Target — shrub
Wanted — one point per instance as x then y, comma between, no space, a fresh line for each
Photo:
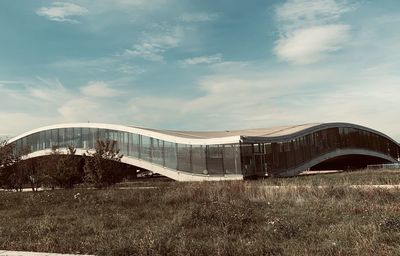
103,168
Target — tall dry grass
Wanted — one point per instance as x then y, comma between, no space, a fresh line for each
310,216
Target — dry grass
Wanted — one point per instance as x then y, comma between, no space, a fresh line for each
221,218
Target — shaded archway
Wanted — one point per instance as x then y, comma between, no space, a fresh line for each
348,162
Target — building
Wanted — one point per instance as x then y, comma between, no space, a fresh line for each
225,155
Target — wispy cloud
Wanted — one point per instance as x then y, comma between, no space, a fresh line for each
198,17
51,102
47,90
301,13
309,30
311,44
210,59
129,69
98,89
112,64
279,97
155,43
3,83
62,12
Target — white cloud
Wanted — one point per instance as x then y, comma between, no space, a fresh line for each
311,44
309,30
210,59
98,89
130,69
108,65
62,11
50,90
154,44
19,122
147,51
5,82
79,109
301,13
250,99
198,17
48,101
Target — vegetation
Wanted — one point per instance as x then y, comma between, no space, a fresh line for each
62,169
101,167
65,170
314,215
12,171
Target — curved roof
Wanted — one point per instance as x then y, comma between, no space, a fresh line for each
257,132
280,133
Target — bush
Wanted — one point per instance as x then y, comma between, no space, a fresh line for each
103,167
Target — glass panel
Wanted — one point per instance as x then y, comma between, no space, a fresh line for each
101,135
61,137
199,159
134,145
157,154
77,137
247,159
170,155
145,152
215,159
231,160
123,141
184,157
85,138
42,140
92,138
47,139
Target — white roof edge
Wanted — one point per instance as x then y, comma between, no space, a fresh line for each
123,128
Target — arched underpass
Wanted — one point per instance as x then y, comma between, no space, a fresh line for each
348,162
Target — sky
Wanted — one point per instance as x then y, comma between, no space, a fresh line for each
199,65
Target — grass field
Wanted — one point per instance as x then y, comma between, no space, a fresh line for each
308,215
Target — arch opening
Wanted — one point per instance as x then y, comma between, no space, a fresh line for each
348,162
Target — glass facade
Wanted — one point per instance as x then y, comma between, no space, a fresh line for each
277,157
196,159
249,159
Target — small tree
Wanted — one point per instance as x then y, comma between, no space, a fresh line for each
48,167
69,169
12,173
102,167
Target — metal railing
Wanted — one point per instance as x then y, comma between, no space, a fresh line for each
384,166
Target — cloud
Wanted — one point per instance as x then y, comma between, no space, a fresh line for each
198,17
301,13
98,89
104,65
51,90
309,30
210,59
6,82
93,65
78,109
155,43
62,11
51,102
242,97
311,44
130,69
19,122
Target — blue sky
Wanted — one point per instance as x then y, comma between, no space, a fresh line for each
202,65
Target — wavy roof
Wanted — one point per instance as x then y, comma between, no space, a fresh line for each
257,132
280,133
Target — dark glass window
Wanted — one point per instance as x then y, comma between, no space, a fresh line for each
215,164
